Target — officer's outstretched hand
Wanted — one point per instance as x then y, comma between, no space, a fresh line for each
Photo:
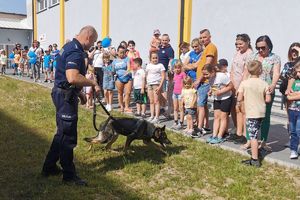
82,98
97,90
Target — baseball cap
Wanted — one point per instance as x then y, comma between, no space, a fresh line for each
156,32
222,62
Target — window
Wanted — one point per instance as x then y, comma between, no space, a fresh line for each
41,5
53,2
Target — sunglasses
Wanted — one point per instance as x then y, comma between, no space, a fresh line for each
195,46
261,48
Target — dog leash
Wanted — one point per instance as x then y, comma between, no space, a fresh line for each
108,113
96,99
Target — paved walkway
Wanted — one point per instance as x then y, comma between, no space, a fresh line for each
278,136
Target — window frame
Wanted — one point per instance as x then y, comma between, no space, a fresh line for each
51,4
39,9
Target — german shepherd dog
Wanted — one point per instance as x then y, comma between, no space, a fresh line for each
133,129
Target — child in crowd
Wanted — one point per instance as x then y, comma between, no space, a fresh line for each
294,112
22,63
222,66
17,58
108,80
185,52
189,99
47,60
3,61
179,76
155,42
89,90
254,92
155,75
221,89
54,54
139,85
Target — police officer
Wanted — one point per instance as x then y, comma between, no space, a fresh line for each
69,80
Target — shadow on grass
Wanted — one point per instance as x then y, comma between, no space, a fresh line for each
23,150
141,153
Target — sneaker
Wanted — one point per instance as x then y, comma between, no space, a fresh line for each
143,115
108,107
232,137
155,121
205,130
179,126
196,134
209,139
75,180
240,140
45,81
251,162
150,119
294,155
216,140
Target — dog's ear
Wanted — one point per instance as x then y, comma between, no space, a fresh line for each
163,128
157,132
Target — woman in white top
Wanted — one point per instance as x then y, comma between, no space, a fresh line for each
155,76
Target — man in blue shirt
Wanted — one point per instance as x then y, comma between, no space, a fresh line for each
165,57
69,80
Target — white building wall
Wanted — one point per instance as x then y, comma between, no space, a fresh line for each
225,19
136,20
48,26
79,13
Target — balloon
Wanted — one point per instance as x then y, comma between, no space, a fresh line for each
11,56
106,42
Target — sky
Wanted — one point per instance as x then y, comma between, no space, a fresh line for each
13,6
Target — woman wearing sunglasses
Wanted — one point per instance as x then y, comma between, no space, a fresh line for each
270,73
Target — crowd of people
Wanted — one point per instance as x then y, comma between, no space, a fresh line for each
179,88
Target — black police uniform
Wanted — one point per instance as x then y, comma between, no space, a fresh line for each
65,99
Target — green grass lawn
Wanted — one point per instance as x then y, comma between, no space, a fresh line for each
191,170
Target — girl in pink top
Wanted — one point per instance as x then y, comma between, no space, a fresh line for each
237,74
132,53
179,75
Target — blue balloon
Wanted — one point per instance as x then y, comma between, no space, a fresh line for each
31,54
106,42
11,56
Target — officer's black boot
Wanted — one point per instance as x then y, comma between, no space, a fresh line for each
51,171
75,180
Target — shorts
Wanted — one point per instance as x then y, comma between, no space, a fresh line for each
223,105
108,82
138,97
190,111
202,91
252,127
176,96
152,87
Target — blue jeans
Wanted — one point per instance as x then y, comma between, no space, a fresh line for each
203,89
294,121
